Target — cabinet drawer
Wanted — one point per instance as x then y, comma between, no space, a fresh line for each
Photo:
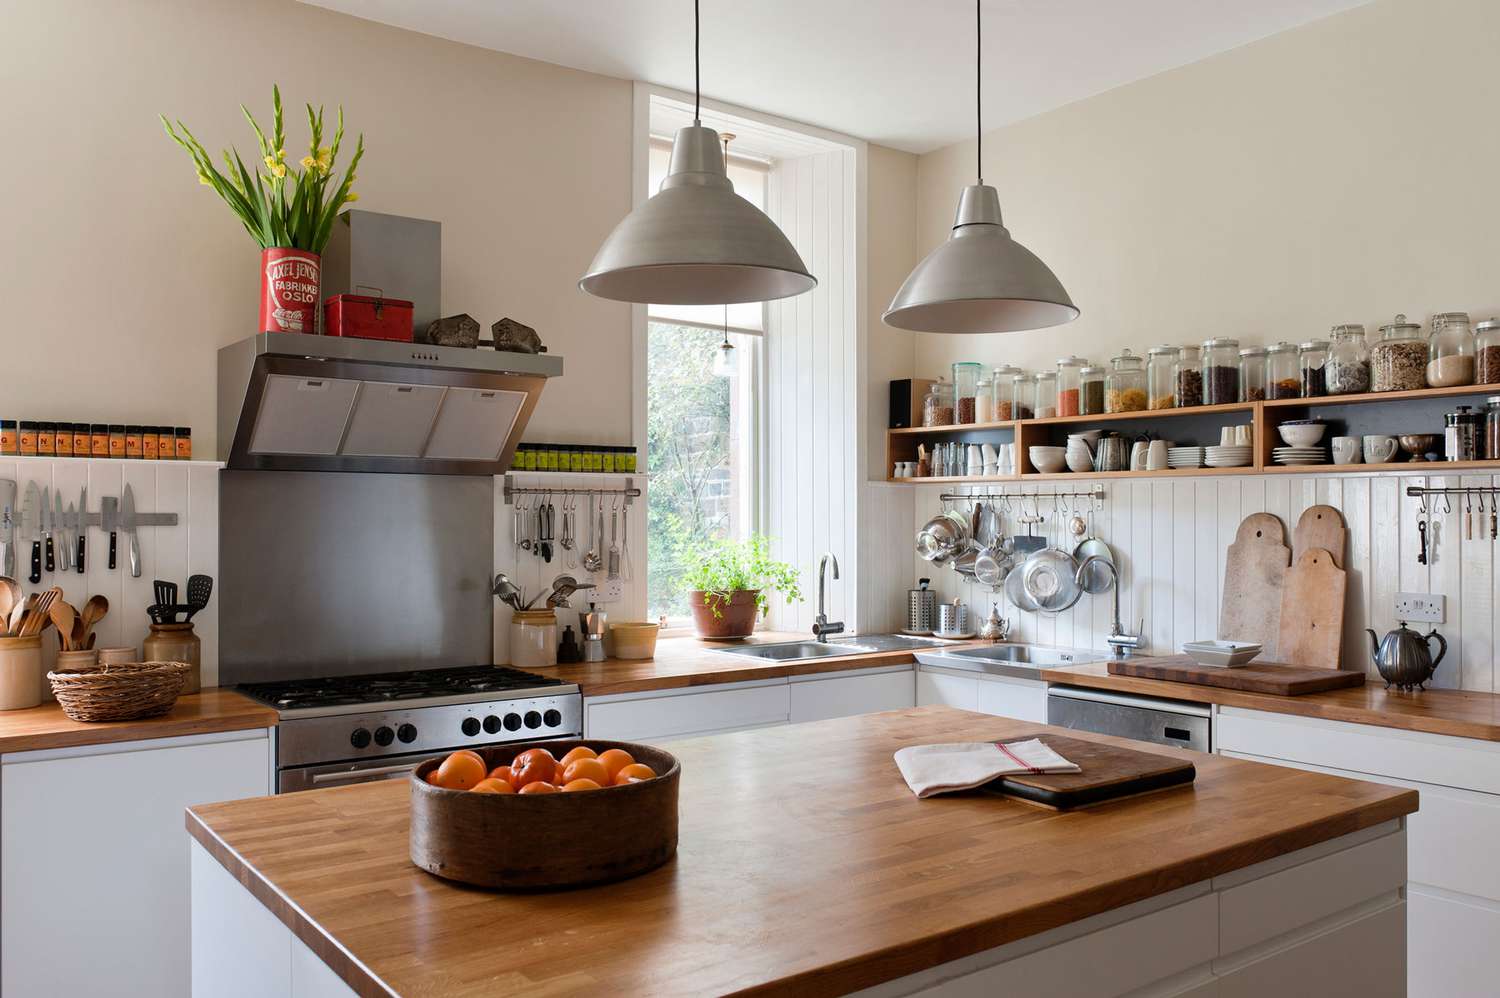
845,696
1023,699
949,691
1373,964
1452,946
688,713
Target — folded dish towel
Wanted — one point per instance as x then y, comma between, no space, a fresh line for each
940,769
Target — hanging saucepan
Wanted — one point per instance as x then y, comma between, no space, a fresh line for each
1096,580
943,537
1048,578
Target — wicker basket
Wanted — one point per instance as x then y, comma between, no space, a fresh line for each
122,692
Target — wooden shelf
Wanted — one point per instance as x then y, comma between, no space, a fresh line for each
1009,424
1109,417
1390,467
1037,476
956,480
1367,397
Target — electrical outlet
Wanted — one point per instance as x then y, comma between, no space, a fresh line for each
605,591
1426,607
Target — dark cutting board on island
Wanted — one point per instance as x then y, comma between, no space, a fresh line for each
1257,677
1108,773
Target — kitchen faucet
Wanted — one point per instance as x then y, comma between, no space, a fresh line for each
1121,642
821,627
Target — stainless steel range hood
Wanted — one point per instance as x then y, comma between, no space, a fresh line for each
297,402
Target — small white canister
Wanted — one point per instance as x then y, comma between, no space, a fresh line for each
533,638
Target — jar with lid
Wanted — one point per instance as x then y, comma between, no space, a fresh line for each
1005,397
1492,428
1463,434
1312,361
1091,391
1252,374
1450,351
1161,377
937,404
1221,371
1046,394
1283,379
1125,385
965,382
1023,391
1069,381
1348,360
1189,377
984,400
1487,353
1398,360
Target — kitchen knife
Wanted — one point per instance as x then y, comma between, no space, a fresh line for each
7,528
82,524
127,520
68,560
31,529
61,528
47,528
109,514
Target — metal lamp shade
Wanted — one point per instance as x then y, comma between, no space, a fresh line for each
980,280
697,242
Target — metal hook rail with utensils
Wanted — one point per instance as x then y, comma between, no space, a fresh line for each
629,493
1427,540
1095,493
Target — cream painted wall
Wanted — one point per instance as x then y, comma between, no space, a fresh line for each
121,276
1339,172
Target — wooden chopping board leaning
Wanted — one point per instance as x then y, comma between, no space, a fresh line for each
1254,570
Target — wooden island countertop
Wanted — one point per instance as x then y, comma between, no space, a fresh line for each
805,867
208,712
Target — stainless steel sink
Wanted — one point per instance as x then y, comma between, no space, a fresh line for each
1006,659
795,651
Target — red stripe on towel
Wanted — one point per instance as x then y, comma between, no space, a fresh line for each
1018,760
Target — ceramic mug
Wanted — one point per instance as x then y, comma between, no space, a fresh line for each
1379,449
1227,435
1345,450
1242,435
1138,456
1156,456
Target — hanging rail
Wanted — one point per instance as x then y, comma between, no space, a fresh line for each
1095,492
629,492
1422,490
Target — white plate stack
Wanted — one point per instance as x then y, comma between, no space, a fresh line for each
1184,457
1226,457
1299,455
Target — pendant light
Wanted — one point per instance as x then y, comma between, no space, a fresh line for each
696,242
724,360
980,280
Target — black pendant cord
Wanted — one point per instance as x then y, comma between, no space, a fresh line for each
697,69
978,95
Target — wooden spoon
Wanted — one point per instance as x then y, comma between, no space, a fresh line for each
39,617
18,616
93,612
63,617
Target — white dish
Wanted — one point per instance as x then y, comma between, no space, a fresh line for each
1302,434
1048,460
1221,654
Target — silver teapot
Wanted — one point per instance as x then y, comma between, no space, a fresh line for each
1404,657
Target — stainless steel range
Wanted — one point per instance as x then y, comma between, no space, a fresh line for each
357,729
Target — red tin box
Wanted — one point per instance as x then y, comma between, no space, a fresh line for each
367,318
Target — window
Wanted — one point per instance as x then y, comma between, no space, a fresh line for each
701,439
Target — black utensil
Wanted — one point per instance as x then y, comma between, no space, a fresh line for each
199,588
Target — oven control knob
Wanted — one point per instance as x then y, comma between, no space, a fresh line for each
491,724
552,719
384,736
512,722
407,732
470,726
360,738
533,719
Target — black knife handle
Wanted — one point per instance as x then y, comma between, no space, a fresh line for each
51,555
80,552
36,562
111,550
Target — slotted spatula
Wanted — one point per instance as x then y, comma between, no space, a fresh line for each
199,588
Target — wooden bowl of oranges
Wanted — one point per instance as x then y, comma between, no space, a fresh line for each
510,816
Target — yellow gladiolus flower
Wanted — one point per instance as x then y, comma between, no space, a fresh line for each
325,159
351,196
309,164
203,179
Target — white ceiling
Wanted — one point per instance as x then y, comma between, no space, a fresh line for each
896,72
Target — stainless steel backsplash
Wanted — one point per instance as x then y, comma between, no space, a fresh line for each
337,574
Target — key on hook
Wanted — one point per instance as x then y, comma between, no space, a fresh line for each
1421,539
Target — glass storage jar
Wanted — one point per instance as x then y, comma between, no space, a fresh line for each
1312,361
984,401
1450,351
1125,385
1283,379
1161,377
1221,371
1005,397
1398,360
1023,392
1348,360
1069,381
1091,392
937,404
1046,395
1487,353
1189,377
1252,374
965,382
1492,428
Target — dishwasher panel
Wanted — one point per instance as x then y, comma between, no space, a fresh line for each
1142,718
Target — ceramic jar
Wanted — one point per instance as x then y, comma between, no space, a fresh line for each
533,638
176,643
20,673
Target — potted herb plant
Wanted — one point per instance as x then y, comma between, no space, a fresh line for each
288,209
729,583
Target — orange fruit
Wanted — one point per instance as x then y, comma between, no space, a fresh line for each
634,773
615,760
432,778
587,769
460,771
538,787
533,766
573,786
503,773
581,752
477,757
493,786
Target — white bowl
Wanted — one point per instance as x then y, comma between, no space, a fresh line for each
1048,460
1091,437
1221,654
1079,461
1302,434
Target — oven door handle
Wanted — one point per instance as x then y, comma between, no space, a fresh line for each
344,776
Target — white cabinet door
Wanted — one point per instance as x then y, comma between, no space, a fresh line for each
1023,699
1452,946
950,691
685,715
94,860
1364,958
847,695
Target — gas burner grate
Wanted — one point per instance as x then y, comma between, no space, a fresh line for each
383,687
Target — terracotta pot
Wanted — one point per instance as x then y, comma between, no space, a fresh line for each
290,282
735,618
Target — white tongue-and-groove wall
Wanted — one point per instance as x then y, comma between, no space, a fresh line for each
1170,537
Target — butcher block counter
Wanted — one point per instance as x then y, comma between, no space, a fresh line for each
806,867
208,712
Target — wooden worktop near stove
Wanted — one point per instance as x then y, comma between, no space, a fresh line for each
208,712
